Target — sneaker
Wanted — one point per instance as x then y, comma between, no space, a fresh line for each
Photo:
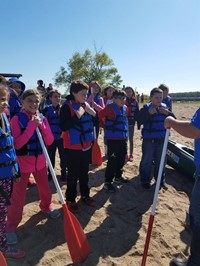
146,185
121,180
54,213
179,261
131,158
88,201
73,207
31,182
109,187
14,253
11,238
164,185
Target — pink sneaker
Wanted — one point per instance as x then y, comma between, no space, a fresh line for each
130,158
14,253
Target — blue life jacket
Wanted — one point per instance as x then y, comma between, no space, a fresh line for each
8,164
168,102
32,147
83,131
154,128
53,119
117,128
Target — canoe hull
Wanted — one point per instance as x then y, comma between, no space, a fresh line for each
181,158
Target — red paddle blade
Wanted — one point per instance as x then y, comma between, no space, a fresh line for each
2,260
96,154
76,239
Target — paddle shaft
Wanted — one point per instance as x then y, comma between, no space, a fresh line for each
50,166
151,218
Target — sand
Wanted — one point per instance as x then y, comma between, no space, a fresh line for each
116,228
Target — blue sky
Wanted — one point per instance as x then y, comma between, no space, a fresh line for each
150,41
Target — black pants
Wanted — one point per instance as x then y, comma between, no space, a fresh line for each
52,153
78,167
117,150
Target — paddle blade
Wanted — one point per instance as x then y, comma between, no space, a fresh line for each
76,239
2,260
96,154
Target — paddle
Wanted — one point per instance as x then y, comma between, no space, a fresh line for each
2,260
96,151
76,239
151,218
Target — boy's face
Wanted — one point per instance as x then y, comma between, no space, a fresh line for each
119,101
55,99
16,87
81,96
156,99
3,100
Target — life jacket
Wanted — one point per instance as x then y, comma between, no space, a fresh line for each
53,119
32,147
8,164
117,128
154,128
132,107
82,131
168,102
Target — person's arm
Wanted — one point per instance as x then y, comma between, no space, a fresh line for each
98,107
185,128
20,139
66,120
143,116
46,132
107,112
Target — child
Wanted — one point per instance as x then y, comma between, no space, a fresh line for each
31,160
52,113
9,170
116,134
108,91
152,117
17,87
96,101
166,98
76,122
133,109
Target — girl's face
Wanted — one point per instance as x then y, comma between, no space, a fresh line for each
81,96
3,100
55,99
129,93
110,92
95,89
31,104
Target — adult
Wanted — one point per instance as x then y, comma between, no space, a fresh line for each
191,129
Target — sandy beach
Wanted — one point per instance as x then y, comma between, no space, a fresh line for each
116,228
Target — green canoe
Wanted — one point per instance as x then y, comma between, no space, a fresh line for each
181,158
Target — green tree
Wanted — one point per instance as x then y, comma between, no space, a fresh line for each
89,67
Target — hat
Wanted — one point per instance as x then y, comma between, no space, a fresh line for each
18,81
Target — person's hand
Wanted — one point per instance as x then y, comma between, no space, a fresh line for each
90,110
152,110
168,121
36,119
163,111
79,112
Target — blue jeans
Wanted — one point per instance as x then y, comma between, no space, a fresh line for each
194,214
151,152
